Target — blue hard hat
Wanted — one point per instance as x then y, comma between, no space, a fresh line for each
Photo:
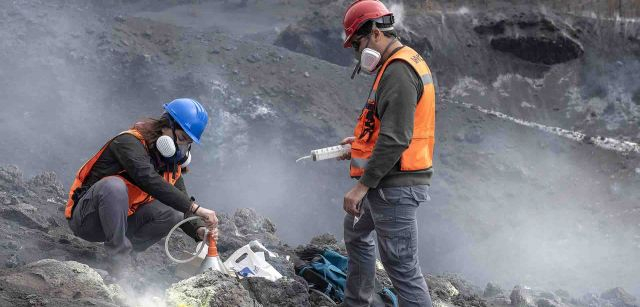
190,115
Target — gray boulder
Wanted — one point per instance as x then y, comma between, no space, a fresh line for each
531,37
522,297
62,280
441,288
283,292
492,290
25,215
618,297
245,225
209,289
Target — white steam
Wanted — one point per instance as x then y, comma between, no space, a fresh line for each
397,8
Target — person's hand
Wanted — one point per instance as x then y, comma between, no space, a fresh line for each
353,198
345,141
208,216
201,233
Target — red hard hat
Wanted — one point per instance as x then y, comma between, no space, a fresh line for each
360,12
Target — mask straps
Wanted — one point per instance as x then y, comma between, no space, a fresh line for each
175,144
356,70
385,51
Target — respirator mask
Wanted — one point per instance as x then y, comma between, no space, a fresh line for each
369,59
170,151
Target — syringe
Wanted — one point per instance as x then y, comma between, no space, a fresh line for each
328,153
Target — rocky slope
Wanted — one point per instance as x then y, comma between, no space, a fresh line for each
45,265
552,66
555,213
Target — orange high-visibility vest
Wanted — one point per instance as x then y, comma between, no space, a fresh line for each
137,196
419,155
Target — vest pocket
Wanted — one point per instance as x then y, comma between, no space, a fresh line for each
418,155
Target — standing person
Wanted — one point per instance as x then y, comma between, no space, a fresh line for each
112,197
391,156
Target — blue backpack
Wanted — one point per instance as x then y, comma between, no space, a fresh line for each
326,273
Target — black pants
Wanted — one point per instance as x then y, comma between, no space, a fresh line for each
101,216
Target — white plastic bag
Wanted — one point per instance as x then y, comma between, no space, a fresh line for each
248,263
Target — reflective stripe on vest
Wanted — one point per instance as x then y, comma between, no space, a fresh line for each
137,196
419,155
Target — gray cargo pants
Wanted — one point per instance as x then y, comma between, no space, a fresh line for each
391,212
101,216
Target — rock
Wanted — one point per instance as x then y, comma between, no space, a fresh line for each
564,294
317,298
441,287
492,27
382,276
282,265
47,183
12,245
103,273
283,292
11,179
13,261
244,227
119,18
593,300
531,37
25,215
464,300
325,241
248,222
209,289
521,297
317,35
253,58
492,290
618,297
436,302
549,299
68,279
544,302
35,300
540,49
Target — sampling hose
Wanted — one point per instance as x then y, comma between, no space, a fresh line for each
166,241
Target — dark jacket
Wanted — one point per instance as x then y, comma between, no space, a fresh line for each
127,153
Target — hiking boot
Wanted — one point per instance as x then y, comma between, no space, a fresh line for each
121,267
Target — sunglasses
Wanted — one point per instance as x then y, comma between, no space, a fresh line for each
356,42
